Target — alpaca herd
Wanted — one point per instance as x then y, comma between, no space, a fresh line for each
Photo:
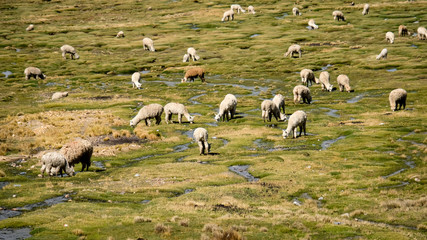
81,150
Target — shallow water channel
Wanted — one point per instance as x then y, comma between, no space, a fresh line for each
242,170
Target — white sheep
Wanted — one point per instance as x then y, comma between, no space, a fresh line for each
237,7
226,108
403,30
312,24
338,15
186,58
294,48
69,49
136,77
228,14
344,83
397,99
389,37
297,119
269,108
148,112
78,151
279,100
296,11
59,95
308,78
179,109
365,9
302,92
324,80
148,44
251,9
383,54
422,33
193,54
54,163
120,34
194,73
30,27
200,135
33,72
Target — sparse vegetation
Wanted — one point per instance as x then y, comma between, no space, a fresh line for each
359,173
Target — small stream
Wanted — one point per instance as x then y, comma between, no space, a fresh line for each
15,233
8,213
356,99
242,170
7,74
326,144
331,112
193,99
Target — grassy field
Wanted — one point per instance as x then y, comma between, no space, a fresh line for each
359,173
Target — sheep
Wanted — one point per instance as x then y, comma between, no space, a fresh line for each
146,113
312,24
296,11
54,163
389,37
365,9
148,44
297,119
279,100
200,135
136,77
237,7
383,54
303,92
59,95
33,72
403,30
69,49
324,80
30,27
186,58
294,48
177,108
192,54
77,151
338,15
269,108
307,77
228,14
194,73
344,82
251,9
397,98
120,34
422,33
227,106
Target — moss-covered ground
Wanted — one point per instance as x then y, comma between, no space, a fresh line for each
368,184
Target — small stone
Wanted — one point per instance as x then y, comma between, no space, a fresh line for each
137,175
416,179
65,225
109,201
320,199
14,195
345,215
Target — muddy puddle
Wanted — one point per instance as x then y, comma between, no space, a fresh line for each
3,184
326,144
242,170
8,213
392,70
193,99
7,74
356,99
331,112
305,196
193,26
99,165
282,16
414,46
188,133
15,233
